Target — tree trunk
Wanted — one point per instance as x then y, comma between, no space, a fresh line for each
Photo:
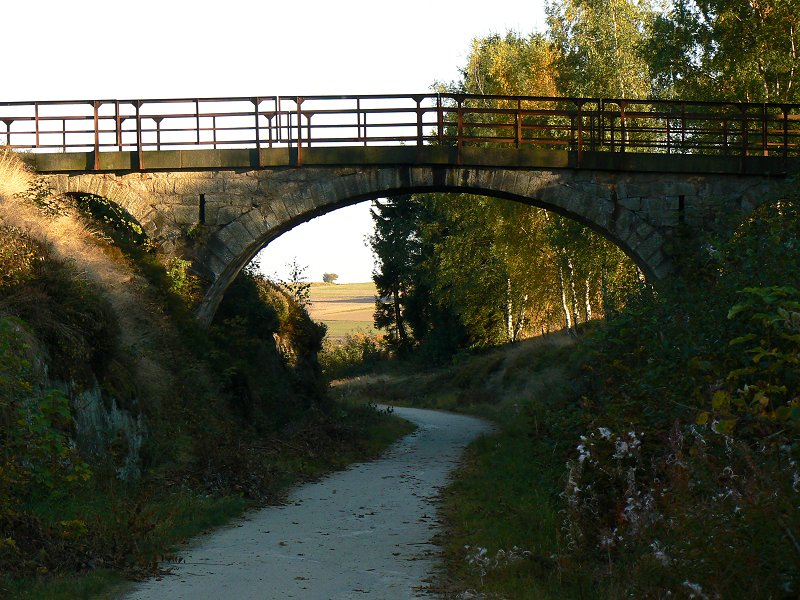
588,300
575,313
402,338
567,316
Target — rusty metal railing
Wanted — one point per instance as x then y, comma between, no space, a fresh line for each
459,120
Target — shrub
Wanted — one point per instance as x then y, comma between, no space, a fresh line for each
697,381
357,353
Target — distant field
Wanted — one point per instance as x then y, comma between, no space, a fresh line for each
344,308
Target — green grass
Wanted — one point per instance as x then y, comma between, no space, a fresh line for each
340,329
97,585
335,290
501,501
506,493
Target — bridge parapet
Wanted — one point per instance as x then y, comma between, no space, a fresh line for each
132,129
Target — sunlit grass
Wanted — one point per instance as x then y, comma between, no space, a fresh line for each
15,177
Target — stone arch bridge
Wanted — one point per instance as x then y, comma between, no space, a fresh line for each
635,185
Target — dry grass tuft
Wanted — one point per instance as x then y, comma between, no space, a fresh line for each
15,177
71,239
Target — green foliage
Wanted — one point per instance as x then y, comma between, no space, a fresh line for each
298,289
727,50
599,47
704,374
357,353
769,386
265,345
36,457
467,271
396,246
510,65
41,196
116,221
182,281
18,257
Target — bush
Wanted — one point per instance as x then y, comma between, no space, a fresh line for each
357,353
687,469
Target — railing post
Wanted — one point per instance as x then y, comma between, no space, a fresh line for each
197,119
785,131
139,144
118,123
8,123
96,135
459,130
764,130
745,136
36,118
518,124
683,126
158,131
359,137
214,131
725,137
256,103
299,102
580,132
278,120
622,131
440,118
611,132
669,137
419,120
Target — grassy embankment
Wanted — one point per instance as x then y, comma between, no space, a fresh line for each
186,428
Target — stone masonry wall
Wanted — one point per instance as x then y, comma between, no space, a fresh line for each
221,218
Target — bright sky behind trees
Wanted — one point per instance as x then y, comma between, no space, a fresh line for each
92,49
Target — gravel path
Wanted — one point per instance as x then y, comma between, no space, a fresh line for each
361,533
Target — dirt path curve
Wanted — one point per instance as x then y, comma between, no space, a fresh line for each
361,533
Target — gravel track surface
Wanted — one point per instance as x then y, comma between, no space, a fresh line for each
360,533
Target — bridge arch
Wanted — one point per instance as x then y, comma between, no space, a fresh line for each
133,193
591,198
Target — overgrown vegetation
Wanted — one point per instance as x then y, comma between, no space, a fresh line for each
678,417
679,426
125,427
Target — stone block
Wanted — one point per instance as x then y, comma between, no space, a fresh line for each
185,215
254,223
235,237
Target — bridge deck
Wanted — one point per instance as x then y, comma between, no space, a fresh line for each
508,158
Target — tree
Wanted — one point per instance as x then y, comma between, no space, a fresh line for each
396,249
296,286
727,50
599,46
329,277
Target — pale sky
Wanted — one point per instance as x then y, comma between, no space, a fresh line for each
90,49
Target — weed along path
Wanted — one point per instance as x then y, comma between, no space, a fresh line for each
361,533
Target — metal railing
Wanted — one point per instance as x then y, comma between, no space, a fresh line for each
458,120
